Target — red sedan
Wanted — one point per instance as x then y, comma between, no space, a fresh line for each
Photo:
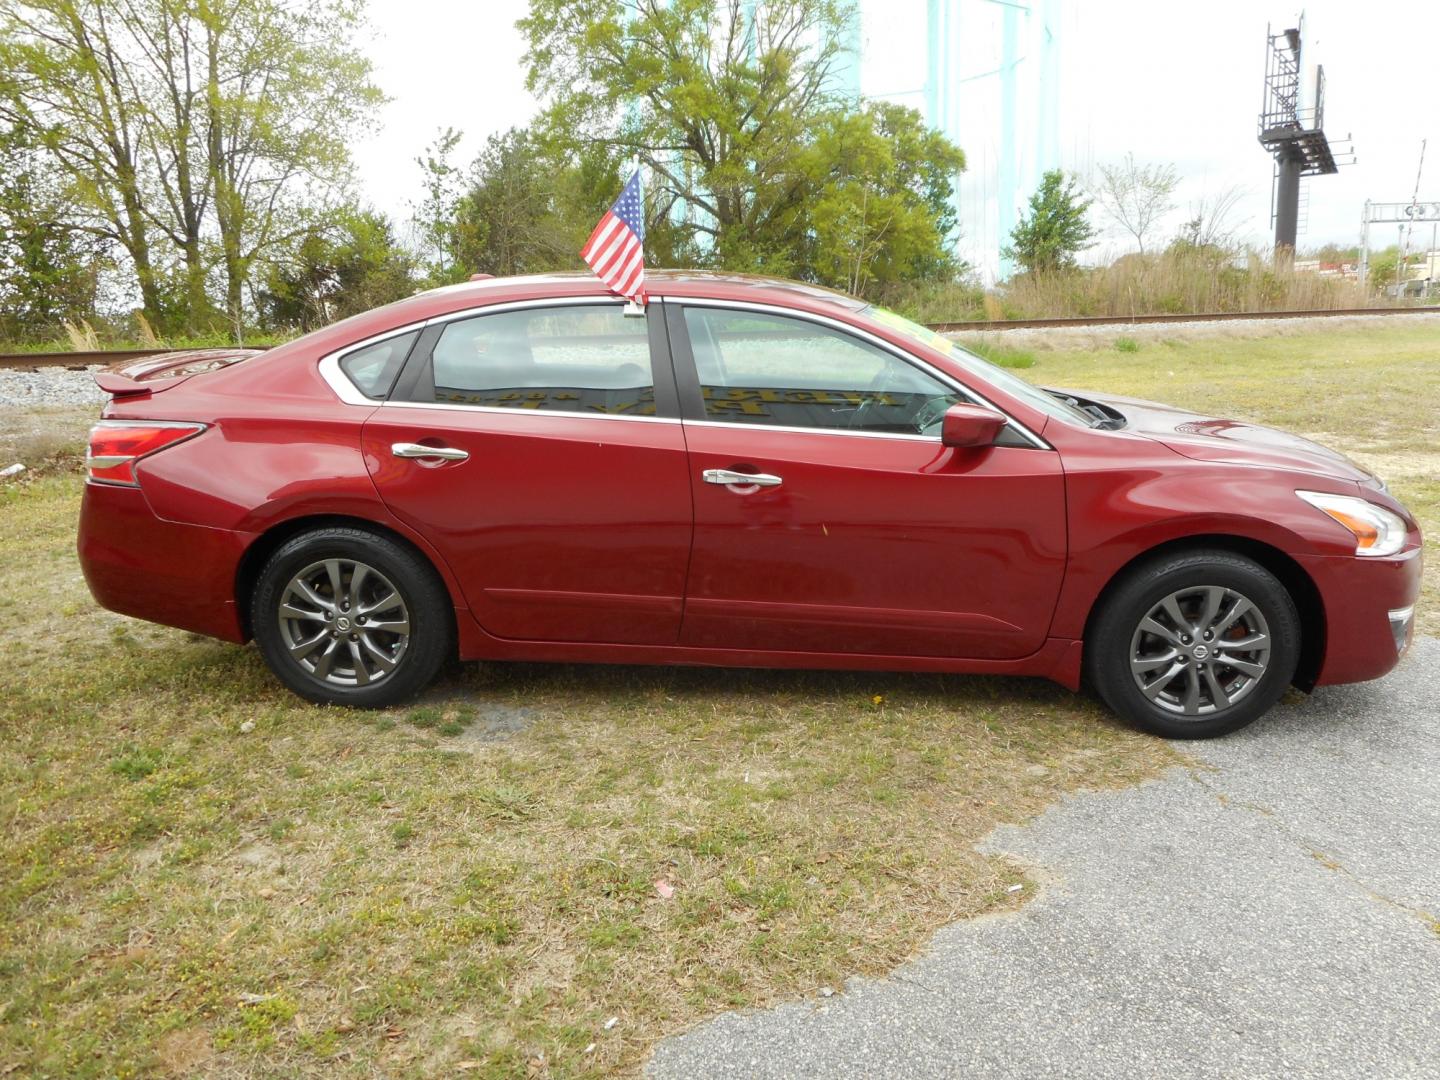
749,472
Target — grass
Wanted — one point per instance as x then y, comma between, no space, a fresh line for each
203,874
1004,356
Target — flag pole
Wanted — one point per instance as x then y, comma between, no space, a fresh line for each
633,308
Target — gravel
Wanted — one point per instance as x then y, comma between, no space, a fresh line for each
49,388
1270,912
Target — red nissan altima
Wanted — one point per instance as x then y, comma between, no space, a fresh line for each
749,472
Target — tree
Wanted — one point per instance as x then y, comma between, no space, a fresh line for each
1135,196
509,220
285,91
714,96
48,271
67,86
220,126
1056,228
434,217
521,206
753,161
350,266
878,199
1384,267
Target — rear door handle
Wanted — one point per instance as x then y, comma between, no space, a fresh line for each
731,478
419,450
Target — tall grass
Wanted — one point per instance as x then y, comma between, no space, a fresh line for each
1178,281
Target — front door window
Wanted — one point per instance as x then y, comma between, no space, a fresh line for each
766,369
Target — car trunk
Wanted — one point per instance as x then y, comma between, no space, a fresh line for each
153,374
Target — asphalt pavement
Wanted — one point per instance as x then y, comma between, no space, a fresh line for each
1270,912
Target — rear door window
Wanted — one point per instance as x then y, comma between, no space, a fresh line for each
589,359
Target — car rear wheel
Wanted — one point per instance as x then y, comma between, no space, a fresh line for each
348,617
1194,644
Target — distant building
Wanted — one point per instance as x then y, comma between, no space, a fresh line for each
1346,270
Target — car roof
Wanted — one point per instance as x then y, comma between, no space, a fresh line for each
707,283
447,299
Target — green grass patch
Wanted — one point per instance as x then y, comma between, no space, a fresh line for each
1003,356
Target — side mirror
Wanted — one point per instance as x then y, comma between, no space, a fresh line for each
970,425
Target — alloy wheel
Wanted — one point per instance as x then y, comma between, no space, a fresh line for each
344,622
1200,650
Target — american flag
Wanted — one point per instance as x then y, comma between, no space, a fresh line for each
615,250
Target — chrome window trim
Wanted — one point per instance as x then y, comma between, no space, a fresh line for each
864,335
351,394
815,431
453,407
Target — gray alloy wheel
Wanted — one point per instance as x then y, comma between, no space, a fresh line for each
1200,651
344,623
1192,643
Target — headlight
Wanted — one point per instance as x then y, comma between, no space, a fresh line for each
1377,531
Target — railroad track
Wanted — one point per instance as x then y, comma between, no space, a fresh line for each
79,361
1140,320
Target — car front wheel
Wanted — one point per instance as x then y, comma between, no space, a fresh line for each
348,617
1194,644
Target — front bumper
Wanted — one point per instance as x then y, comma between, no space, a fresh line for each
1361,598
141,565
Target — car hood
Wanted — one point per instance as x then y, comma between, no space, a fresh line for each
1211,438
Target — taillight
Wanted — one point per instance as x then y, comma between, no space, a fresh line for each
116,445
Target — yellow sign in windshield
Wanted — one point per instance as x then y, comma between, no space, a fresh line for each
922,334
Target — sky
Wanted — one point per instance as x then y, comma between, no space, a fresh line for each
1168,81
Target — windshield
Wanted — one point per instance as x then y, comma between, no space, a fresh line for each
1012,384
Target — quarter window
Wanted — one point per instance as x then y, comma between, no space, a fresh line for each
373,368
582,359
769,369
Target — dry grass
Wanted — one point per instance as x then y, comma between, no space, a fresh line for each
471,880
1170,282
82,336
1176,281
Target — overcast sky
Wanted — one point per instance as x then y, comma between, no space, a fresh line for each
1172,82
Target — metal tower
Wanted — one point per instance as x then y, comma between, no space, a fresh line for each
1292,130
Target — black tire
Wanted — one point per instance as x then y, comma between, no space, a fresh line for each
1116,639
424,610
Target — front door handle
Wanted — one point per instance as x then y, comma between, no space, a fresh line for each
733,479
420,450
